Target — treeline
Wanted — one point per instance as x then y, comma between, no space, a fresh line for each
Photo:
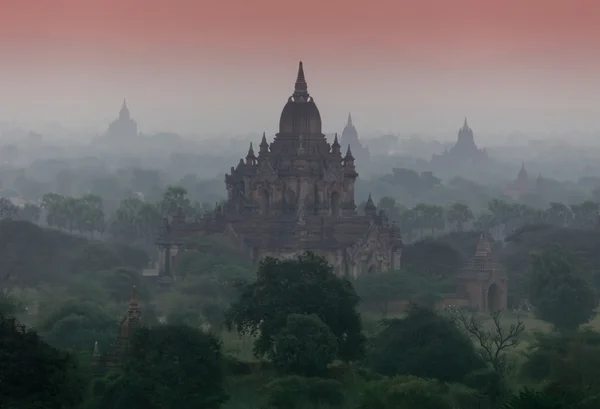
501,218
134,220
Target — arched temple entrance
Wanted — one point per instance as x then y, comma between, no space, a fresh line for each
494,302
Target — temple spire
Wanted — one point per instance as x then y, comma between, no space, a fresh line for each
124,113
250,157
349,119
335,147
370,208
349,153
465,125
335,141
264,146
301,88
370,201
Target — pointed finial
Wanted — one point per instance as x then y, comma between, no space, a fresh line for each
250,151
301,88
349,153
349,119
370,207
335,141
465,124
124,113
264,146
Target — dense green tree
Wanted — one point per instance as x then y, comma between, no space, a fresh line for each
167,367
416,258
423,344
304,346
568,363
76,325
559,291
306,285
30,255
33,374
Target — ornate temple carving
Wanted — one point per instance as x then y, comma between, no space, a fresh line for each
296,195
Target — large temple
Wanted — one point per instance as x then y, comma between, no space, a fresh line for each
522,185
464,152
122,127
350,138
295,195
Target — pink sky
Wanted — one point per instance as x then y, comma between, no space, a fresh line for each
398,63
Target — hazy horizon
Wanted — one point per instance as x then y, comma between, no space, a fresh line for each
403,66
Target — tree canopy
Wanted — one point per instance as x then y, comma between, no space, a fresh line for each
423,344
559,291
305,346
167,367
305,285
32,373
